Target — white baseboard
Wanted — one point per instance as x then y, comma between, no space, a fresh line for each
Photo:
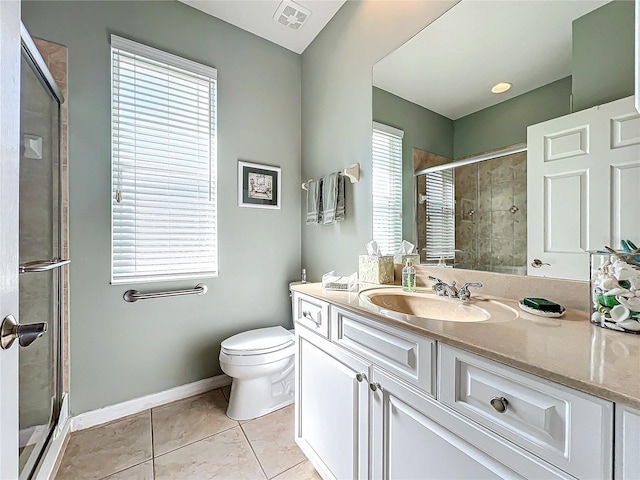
137,405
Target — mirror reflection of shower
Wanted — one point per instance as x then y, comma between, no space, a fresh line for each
473,214
40,247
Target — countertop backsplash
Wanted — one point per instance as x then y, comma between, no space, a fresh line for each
569,293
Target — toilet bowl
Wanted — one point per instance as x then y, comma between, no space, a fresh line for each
260,362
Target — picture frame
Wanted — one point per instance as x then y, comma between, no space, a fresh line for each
259,186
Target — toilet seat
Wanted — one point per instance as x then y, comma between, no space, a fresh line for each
272,343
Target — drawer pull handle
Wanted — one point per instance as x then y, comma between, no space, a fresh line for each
307,314
361,376
499,404
375,386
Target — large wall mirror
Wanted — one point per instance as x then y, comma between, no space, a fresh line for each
554,58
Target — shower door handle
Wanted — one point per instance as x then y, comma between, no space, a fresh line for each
42,265
26,334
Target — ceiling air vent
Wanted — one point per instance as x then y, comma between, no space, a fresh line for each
292,15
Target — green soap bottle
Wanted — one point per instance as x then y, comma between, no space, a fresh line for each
409,277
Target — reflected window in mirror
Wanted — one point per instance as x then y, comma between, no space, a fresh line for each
387,187
440,216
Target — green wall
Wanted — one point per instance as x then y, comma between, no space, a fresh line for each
603,55
506,123
119,350
423,129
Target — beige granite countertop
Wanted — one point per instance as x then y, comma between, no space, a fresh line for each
568,350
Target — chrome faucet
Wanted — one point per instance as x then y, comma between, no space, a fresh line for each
443,289
464,294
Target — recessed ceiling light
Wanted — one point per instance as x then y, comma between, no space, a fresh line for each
501,87
291,14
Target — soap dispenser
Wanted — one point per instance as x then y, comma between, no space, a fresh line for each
409,277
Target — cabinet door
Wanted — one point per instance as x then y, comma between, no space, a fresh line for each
627,443
415,437
331,408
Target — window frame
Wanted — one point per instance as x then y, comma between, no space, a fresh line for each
398,134
195,69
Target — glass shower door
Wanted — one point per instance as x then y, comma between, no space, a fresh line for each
39,239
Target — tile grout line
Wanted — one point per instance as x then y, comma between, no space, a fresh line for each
195,441
254,452
124,469
290,468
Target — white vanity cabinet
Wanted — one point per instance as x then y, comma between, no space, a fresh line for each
565,427
367,406
415,437
331,407
627,464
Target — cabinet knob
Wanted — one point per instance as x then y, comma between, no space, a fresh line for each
499,404
361,376
375,386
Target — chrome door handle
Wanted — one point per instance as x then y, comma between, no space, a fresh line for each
361,376
537,263
10,331
375,386
307,314
42,265
499,404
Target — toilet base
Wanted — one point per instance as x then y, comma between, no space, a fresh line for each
255,397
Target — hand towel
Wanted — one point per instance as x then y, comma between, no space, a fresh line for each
340,204
329,197
313,202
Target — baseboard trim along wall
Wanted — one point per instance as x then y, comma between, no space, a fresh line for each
137,405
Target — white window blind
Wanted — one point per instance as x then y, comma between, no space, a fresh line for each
387,187
163,158
440,240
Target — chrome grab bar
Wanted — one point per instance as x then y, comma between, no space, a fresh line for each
42,265
135,295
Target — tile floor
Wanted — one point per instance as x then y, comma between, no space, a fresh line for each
189,439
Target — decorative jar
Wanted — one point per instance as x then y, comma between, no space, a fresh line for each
615,291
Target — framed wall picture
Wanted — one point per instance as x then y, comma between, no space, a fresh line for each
258,185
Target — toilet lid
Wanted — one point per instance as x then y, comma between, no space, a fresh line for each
260,340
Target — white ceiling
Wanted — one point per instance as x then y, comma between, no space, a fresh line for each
256,16
452,64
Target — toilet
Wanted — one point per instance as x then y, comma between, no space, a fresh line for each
260,362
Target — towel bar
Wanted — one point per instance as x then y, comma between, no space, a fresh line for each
352,173
135,295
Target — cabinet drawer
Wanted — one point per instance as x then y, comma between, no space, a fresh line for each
405,354
567,428
312,313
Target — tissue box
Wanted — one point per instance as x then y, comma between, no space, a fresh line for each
374,269
401,258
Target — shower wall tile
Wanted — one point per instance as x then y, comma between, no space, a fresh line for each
35,394
502,196
502,170
484,197
520,165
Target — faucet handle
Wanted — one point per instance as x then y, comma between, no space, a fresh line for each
439,287
464,293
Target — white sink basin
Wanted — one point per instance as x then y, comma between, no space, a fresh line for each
429,306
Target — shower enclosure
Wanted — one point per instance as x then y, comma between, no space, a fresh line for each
40,241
